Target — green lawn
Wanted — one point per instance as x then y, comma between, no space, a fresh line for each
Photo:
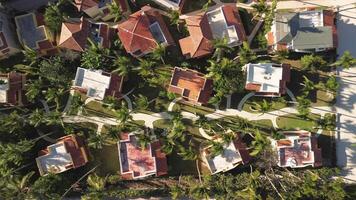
108,158
278,103
200,110
96,109
294,122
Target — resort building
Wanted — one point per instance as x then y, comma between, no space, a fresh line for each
143,31
234,154
97,84
307,31
12,88
267,79
191,85
68,153
298,149
8,43
222,22
172,4
33,33
138,163
76,33
100,9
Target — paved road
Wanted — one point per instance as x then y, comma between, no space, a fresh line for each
346,152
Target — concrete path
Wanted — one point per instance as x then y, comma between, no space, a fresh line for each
244,99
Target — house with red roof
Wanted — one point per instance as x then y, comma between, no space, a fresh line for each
97,83
67,153
76,33
12,88
143,31
306,31
171,4
222,22
267,79
100,9
235,153
298,149
33,33
138,163
8,41
193,86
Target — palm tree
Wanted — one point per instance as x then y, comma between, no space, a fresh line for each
31,55
264,106
53,94
328,122
176,192
245,54
97,141
303,106
143,139
54,17
259,143
113,133
346,60
36,118
54,118
332,85
201,121
308,86
260,7
221,47
216,148
188,153
141,102
207,5
15,152
12,123
159,52
17,187
228,137
168,146
146,67
34,89
123,115
116,11
174,18
96,183
122,66
76,104
176,130
111,103
250,192
199,192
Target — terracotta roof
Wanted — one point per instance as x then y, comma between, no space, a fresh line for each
243,150
198,43
232,18
16,92
192,85
75,146
75,34
135,34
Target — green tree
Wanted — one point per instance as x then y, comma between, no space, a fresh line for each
159,53
308,86
312,63
96,57
76,104
168,146
188,153
246,55
332,85
263,106
216,148
174,18
328,122
221,47
141,102
50,186
54,17
346,60
259,143
176,192
116,11
144,140
303,106
36,118
54,95
123,115
146,68
97,140
34,89
260,8
17,187
207,5
55,71
122,65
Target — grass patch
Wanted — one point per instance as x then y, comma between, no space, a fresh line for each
108,158
96,108
294,122
200,110
194,5
277,103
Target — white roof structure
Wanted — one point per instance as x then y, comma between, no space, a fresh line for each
171,4
228,160
268,75
94,81
4,87
219,27
56,161
313,18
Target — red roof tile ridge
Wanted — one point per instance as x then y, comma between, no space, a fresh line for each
72,38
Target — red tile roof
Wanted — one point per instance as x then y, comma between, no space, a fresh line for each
135,34
75,147
192,85
74,35
16,92
198,44
232,18
243,150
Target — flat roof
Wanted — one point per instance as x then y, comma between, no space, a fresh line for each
268,75
30,33
226,161
56,161
219,26
94,81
